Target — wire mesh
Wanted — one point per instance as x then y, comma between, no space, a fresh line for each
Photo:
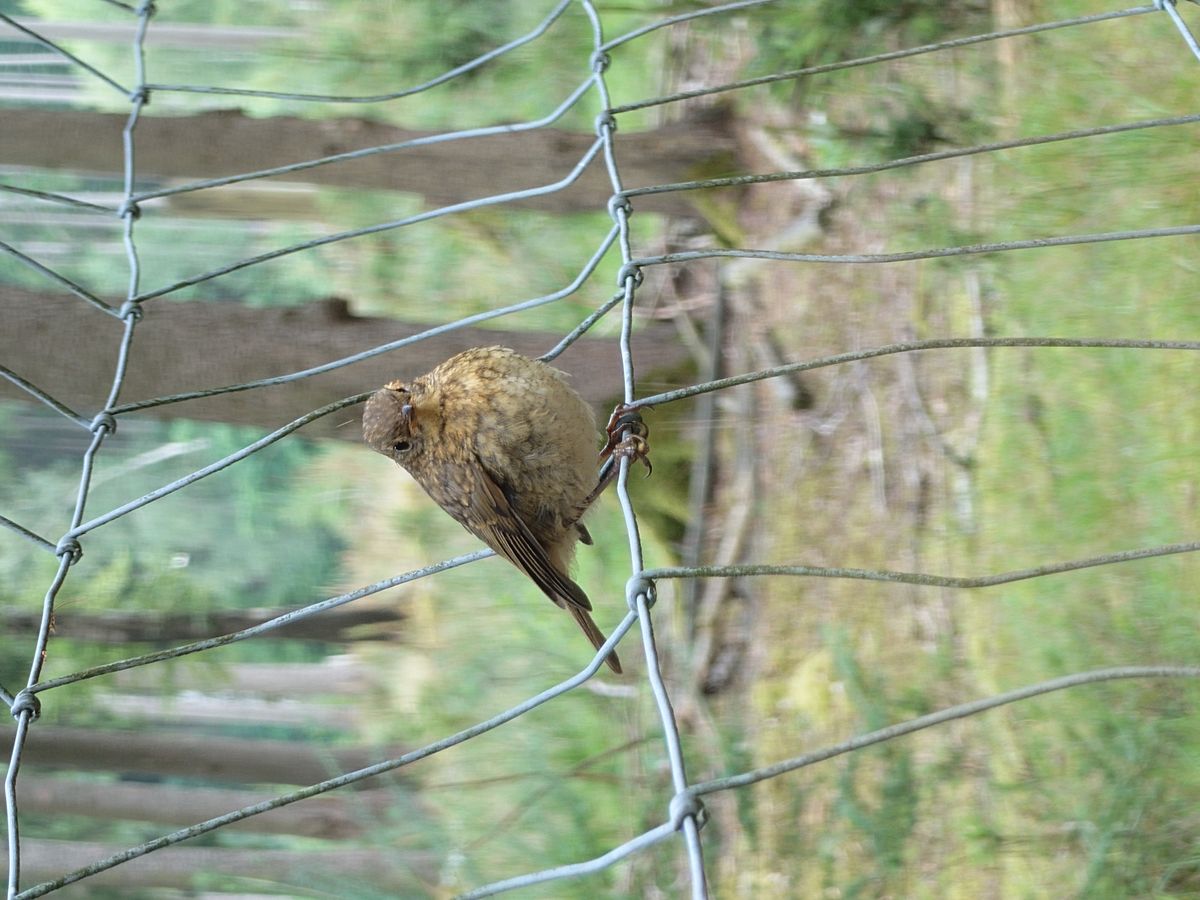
684,814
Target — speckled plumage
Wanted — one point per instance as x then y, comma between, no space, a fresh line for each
506,447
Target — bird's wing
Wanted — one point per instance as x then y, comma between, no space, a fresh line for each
502,529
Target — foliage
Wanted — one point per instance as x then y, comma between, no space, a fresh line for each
332,53
1091,792
802,35
259,534
894,116
1108,434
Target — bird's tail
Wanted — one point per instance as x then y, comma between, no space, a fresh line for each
594,634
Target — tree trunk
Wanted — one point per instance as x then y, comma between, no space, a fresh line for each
213,38
333,675
168,629
226,142
193,709
218,759
325,872
329,816
69,350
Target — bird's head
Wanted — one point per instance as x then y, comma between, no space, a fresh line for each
392,422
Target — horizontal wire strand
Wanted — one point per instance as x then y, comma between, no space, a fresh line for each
65,54
61,280
872,168
34,391
349,778
466,67
426,216
878,58
913,255
440,138
961,711
26,533
909,347
62,199
436,330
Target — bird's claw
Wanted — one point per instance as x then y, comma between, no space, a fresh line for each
627,437
637,448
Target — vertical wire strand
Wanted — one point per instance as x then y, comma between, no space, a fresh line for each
24,707
12,819
640,593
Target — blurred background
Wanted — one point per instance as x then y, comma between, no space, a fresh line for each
952,462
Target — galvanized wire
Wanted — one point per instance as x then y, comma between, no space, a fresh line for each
58,278
456,72
26,533
1168,6
904,347
34,391
520,306
961,711
288,618
494,200
441,138
683,812
953,153
51,197
911,255
64,53
877,58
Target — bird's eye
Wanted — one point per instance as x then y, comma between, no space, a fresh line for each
402,446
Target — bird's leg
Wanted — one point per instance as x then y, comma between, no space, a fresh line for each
627,437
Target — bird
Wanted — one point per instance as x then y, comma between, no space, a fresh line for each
507,447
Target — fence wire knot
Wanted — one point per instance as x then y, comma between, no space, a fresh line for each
619,204
131,309
129,209
606,123
683,805
26,702
640,586
68,546
104,421
600,61
627,271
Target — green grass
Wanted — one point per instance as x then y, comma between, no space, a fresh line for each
1088,793
1103,779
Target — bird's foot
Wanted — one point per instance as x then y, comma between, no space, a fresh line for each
627,437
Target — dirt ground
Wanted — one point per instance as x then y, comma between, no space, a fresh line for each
866,465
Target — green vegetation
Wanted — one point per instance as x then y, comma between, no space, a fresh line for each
1111,470
262,533
1087,794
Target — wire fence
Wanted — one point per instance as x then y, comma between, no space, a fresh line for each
684,813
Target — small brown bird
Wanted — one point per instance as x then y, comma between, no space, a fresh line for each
508,448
